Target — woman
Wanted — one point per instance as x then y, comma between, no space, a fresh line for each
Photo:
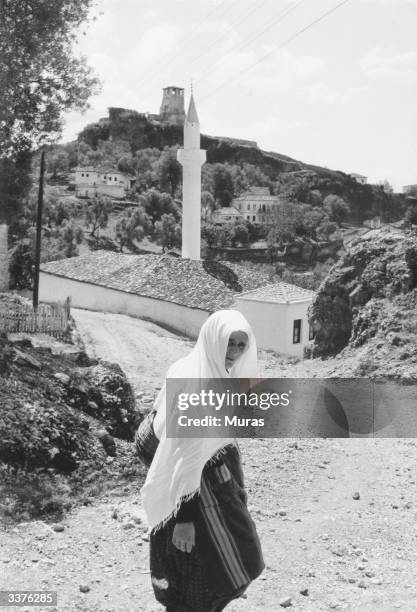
204,549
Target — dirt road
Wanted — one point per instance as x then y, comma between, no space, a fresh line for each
337,518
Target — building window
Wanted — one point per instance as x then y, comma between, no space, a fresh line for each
248,217
87,175
296,333
254,218
311,332
248,206
82,174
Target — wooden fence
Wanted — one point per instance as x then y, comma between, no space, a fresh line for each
49,319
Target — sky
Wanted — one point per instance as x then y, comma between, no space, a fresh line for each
340,93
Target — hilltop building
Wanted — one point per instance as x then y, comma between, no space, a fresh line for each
91,182
227,214
257,205
359,178
237,141
410,190
278,315
172,111
172,107
191,157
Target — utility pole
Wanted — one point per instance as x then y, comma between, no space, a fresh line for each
38,233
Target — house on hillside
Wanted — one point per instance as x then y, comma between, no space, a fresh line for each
410,190
277,313
359,178
91,182
257,205
228,214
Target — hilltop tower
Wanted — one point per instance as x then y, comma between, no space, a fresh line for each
172,107
191,157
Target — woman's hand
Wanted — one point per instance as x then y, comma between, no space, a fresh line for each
183,537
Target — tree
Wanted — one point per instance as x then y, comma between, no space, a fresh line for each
283,229
210,233
240,234
411,214
126,164
40,79
15,183
58,163
133,226
71,235
97,214
126,233
336,208
169,171
222,185
325,229
309,219
157,204
168,232
207,205
40,76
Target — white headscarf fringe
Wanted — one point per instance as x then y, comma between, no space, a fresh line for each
190,496
175,473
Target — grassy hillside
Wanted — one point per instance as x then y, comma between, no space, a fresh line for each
133,132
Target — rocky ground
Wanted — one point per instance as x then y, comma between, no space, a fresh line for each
337,518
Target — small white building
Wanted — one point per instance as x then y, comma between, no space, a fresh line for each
359,178
91,182
277,313
227,214
410,189
257,205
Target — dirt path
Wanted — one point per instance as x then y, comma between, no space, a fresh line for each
342,553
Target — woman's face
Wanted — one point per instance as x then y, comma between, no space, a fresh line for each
238,342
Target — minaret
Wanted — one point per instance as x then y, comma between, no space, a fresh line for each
191,157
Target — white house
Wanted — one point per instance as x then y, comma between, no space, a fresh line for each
359,178
227,214
90,182
410,189
256,205
277,313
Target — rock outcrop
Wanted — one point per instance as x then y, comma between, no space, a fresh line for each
370,294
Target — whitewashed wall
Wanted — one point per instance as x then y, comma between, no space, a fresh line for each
185,320
273,324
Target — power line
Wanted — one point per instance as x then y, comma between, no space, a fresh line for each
283,44
255,7
271,24
168,59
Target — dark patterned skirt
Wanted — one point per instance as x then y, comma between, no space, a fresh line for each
227,554
178,578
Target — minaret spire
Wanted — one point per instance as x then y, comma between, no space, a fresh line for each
191,157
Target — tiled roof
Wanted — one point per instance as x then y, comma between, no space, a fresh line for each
281,293
181,281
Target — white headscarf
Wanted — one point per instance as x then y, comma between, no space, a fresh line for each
175,473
